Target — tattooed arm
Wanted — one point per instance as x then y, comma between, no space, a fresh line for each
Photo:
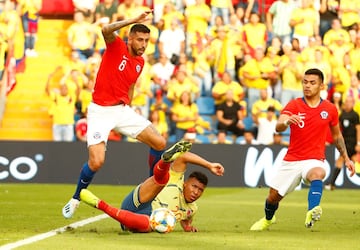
109,29
340,145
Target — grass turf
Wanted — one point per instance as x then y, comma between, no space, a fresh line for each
224,218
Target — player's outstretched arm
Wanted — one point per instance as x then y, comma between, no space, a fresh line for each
109,29
341,147
180,164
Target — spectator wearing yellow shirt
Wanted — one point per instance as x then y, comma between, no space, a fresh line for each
169,14
12,30
212,31
160,106
160,125
30,10
221,8
353,90
150,50
308,53
92,65
202,67
321,63
81,36
305,22
254,34
75,62
340,78
260,107
354,55
291,71
184,114
257,74
223,86
338,50
62,110
349,13
197,18
75,82
221,54
124,9
275,83
180,84
235,28
100,44
336,31
128,9
85,95
142,91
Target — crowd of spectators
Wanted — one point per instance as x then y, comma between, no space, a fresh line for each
247,56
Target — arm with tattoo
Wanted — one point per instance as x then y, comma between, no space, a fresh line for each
340,145
109,29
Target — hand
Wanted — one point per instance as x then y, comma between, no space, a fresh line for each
217,169
350,165
190,228
143,17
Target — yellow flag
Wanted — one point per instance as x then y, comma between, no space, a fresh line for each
221,66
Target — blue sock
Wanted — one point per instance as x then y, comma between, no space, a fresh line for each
315,193
154,157
85,178
270,210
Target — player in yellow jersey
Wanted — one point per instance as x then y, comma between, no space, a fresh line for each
166,188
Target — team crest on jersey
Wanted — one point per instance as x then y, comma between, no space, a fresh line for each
97,135
324,115
138,68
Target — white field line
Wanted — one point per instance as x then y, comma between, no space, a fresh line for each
52,232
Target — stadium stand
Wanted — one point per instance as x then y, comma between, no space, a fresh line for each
26,114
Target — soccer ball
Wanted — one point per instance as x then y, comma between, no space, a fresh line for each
162,220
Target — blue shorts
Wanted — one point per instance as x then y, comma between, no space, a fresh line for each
132,203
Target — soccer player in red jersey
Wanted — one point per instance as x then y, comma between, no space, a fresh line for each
110,109
308,118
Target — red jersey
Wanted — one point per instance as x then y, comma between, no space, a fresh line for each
307,139
118,71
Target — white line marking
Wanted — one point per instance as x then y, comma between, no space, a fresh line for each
52,232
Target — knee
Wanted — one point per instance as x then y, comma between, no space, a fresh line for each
96,163
274,197
316,174
160,144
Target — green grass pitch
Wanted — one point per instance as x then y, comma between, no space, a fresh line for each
224,218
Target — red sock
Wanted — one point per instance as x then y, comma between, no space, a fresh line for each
161,172
133,221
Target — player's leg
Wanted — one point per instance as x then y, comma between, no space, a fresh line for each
96,160
314,176
131,220
271,205
155,183
285,181
142,129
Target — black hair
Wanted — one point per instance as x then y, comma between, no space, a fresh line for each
315,71
139,28
202,178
